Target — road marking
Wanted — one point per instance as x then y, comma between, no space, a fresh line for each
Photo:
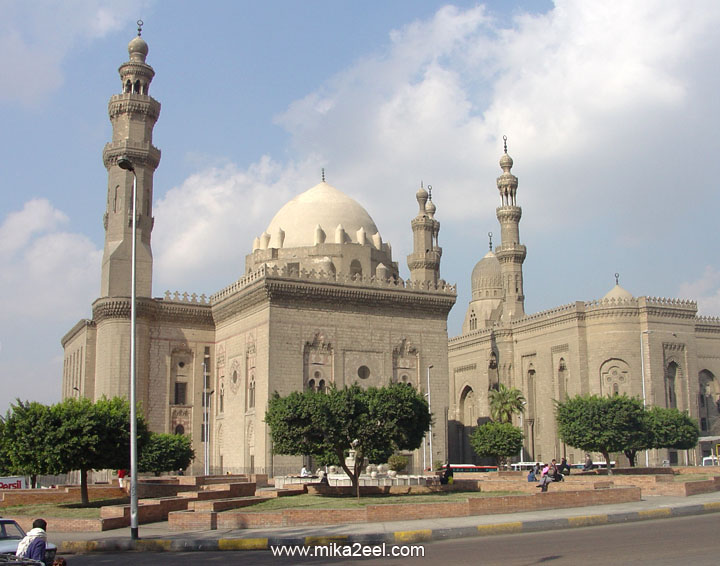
243,544
587,520
413,536
500,528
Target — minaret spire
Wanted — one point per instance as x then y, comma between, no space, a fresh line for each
424,261
133,114
511,253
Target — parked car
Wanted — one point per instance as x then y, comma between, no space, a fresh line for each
10,536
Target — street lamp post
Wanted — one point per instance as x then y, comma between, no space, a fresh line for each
125,163
642,375
430,409
207,431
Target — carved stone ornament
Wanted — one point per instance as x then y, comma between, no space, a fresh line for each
234,376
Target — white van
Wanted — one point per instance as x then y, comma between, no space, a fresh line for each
710,461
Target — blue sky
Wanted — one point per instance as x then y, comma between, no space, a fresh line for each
611,113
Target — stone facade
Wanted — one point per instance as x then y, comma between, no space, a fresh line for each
658,350
322,303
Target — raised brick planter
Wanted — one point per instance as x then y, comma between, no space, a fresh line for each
181,521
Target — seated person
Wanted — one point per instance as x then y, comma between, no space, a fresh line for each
447,475
564,467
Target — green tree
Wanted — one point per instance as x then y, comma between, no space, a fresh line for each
497,439
4,460
639,441
671,428
375,422
505,402
166,452
24,439
601,424
91,436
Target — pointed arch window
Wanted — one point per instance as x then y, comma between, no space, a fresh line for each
670,386
473,321
251,392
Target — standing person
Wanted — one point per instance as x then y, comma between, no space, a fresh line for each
588,463
121,477
34,543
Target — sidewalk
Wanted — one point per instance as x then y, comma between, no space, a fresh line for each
157,536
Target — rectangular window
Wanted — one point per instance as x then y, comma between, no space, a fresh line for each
180,393
703,424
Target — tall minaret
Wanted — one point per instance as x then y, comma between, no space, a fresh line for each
511,253
424,262
133,115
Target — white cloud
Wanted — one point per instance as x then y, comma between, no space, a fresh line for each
48,281
37,215
206,226
48,274
35,38
705,290
596,107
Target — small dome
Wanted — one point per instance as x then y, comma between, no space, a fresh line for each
486,274
506,161
430,208
138,49
324,207
618,293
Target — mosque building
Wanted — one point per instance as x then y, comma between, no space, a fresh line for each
322,303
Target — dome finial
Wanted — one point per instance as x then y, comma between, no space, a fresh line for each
490,237
323,174
430,193
617,279
140,25
505,143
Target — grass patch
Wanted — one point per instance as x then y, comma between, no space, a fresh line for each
307,501
693,477
64,510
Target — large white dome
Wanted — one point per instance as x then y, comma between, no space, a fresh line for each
322,206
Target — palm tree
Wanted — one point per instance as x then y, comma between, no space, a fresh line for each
505,402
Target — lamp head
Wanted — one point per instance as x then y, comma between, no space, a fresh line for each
125,163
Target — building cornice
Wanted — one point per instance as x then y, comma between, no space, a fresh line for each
153,310
75,330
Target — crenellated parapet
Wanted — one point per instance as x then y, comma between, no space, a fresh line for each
286,286
178,297
339,278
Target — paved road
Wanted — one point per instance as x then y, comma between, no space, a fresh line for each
689,540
